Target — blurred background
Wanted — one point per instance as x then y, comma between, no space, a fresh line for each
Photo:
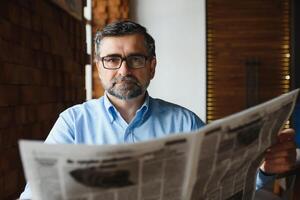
215,57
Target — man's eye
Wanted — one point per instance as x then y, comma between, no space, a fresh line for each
112,59
136,58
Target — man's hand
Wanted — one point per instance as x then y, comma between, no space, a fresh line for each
281,157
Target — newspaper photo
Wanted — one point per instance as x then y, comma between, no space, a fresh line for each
219,161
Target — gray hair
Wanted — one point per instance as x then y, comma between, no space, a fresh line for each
122,28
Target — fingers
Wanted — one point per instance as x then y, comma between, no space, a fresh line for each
286,135
276,168
281,157
285,146
281,154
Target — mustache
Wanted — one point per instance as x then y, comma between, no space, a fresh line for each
125,78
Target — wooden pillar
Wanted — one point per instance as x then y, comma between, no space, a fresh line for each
104,12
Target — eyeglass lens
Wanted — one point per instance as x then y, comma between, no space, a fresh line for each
115,62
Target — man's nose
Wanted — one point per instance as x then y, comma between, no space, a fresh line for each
124,69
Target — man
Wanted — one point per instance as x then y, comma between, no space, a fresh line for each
126,61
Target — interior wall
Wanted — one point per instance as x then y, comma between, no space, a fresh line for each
178,27
41,73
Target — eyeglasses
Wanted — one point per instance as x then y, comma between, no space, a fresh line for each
132,61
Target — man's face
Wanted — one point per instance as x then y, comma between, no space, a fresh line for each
125,83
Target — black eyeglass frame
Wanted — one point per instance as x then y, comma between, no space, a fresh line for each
124,59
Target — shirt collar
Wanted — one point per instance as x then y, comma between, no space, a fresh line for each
112,111
141,112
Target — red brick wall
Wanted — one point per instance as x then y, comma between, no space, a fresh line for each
42,58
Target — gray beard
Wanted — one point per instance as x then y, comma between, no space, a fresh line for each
126,87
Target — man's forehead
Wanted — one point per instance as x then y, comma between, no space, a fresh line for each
123,44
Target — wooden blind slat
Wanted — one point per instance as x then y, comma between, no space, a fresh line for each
248,49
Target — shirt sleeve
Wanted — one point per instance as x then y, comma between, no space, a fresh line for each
63,131
263,179
26,194
196,122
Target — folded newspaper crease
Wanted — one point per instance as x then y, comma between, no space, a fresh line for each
218,161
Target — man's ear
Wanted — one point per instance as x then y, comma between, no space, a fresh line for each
152,67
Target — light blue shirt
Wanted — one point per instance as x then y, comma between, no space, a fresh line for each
98,122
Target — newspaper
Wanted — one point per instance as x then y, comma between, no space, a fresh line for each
219,161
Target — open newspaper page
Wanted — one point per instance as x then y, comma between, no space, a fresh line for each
218,162
232,150
152,170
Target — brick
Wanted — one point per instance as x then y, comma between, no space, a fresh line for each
39,59
36,23
36,41
31,114
21,180
49,28
58,42
66,80
14,53
25,74
10,74
46,126
27,57
36,132
20,115
6,117
26,18
15,34
19,55
46,43
5,55
9,159
14,14
67,94
6,29
29,75
1,187
26,132
73,95
45,111
80,96
10,137
48,94
25,38
26,114
4,8
58,63
10,180
9,95
28,4
36,76
48,61
58,79
50,80
30,94
44,9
